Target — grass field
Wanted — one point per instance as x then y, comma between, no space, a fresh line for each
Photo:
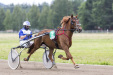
86,49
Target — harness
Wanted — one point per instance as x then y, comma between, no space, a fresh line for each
63,33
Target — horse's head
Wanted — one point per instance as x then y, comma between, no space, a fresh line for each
72,22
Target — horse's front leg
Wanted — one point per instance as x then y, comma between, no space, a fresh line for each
69,56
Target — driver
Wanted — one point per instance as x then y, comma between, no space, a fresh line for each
25,34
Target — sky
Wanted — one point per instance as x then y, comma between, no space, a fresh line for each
7,2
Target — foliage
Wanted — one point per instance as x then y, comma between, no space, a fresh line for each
96,14
93,14
61,8
2,17
44,16
41,16
75,4
33,16
7,21
17,18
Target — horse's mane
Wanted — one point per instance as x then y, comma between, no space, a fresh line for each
64,20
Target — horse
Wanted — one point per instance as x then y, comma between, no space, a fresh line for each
64,39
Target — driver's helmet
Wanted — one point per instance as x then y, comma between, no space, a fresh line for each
26,23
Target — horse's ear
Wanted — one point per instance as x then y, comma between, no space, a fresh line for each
72,16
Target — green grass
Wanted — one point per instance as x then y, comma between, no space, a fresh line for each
86,49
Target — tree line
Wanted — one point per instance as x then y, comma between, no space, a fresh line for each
96,14
93,14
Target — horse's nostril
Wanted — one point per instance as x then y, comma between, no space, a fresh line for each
80,30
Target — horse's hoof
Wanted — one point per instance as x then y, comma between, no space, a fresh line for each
25,59
21,66
60,56
54,66
76,66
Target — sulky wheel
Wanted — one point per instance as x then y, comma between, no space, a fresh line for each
46,61
13,59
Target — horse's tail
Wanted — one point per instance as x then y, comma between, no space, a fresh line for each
30,48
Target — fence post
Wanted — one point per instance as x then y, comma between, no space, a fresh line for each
107,31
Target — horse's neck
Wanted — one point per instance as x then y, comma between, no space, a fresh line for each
68,32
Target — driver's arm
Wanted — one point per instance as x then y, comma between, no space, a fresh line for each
22,37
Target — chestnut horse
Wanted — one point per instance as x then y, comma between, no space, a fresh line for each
64,38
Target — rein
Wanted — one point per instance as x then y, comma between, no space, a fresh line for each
72,30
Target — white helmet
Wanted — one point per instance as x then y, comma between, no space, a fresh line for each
26,23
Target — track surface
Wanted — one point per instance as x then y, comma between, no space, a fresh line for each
36,68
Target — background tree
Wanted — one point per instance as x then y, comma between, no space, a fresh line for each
96,14
93,14
61,8
82,15
2,17
8,21
76,4
17,17
33,16
50,23
85,14
43,16
107,14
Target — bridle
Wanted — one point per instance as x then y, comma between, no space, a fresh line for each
76,27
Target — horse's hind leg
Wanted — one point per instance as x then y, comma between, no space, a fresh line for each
33,50
50,57
50,54
37,45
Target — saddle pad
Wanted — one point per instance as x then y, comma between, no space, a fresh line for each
52,35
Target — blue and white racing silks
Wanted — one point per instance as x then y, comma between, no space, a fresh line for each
23,32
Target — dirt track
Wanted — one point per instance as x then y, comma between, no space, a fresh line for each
34,68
